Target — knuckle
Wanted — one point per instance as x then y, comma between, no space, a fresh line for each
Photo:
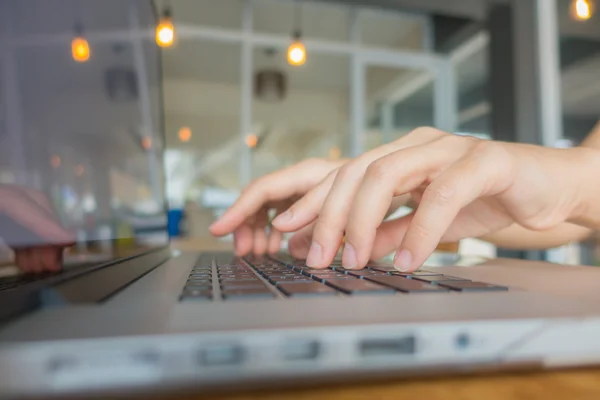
347,171
440,195
427,131
378,170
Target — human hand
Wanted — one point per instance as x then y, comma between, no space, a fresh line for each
464,187
248,217
30,227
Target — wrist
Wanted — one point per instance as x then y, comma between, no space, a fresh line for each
584,169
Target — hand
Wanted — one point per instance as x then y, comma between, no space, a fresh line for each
29,226
248,217
464,187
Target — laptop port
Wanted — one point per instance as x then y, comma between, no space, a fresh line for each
387,347
294,350
220,355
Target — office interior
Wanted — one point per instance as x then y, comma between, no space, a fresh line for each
225,102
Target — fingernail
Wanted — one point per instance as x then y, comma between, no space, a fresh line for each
314,254
349,260
284,218
403,260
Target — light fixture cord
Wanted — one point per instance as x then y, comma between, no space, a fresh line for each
297,19
78,26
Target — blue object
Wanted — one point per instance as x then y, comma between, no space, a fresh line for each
174,222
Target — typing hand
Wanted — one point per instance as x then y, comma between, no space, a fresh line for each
29,226
248,218
463,187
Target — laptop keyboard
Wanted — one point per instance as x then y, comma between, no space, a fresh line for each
278,277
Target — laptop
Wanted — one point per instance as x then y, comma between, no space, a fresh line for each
130,313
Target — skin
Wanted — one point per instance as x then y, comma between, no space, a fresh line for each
517,237
454,181
32,210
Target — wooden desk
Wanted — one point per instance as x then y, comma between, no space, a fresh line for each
573,384
567,384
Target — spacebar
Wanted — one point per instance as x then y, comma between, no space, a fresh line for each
405,285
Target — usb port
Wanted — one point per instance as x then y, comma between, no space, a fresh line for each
301,350
387,347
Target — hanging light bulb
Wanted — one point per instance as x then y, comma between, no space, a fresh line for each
582,10
80,48
296,54
185,134
165,31
296,51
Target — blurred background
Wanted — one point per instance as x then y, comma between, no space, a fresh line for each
97,95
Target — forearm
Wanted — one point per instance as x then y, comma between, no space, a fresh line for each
518,238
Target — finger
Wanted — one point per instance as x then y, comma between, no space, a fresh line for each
21,260
305,210
34,260
260,234
275,238
49,258
393,175
243,239
277,186
442,201
299,243
330,226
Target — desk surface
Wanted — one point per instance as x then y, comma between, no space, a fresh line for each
574,384
568,384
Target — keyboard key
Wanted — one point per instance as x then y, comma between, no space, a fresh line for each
204,276
300,278
339,269
198,281
326,273
253,279
437,278
406,285
366,272
242,294
280,273
195,286
202,270
469,286
328,277
307,289
238,276
242,285
196,292
416,273
359,286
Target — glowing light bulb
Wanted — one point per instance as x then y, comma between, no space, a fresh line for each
147,143
185,134
582,10
80,49
296,53
251,140
165,31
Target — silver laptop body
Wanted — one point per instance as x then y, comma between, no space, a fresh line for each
145,338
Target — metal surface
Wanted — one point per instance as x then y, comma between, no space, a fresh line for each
144,338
